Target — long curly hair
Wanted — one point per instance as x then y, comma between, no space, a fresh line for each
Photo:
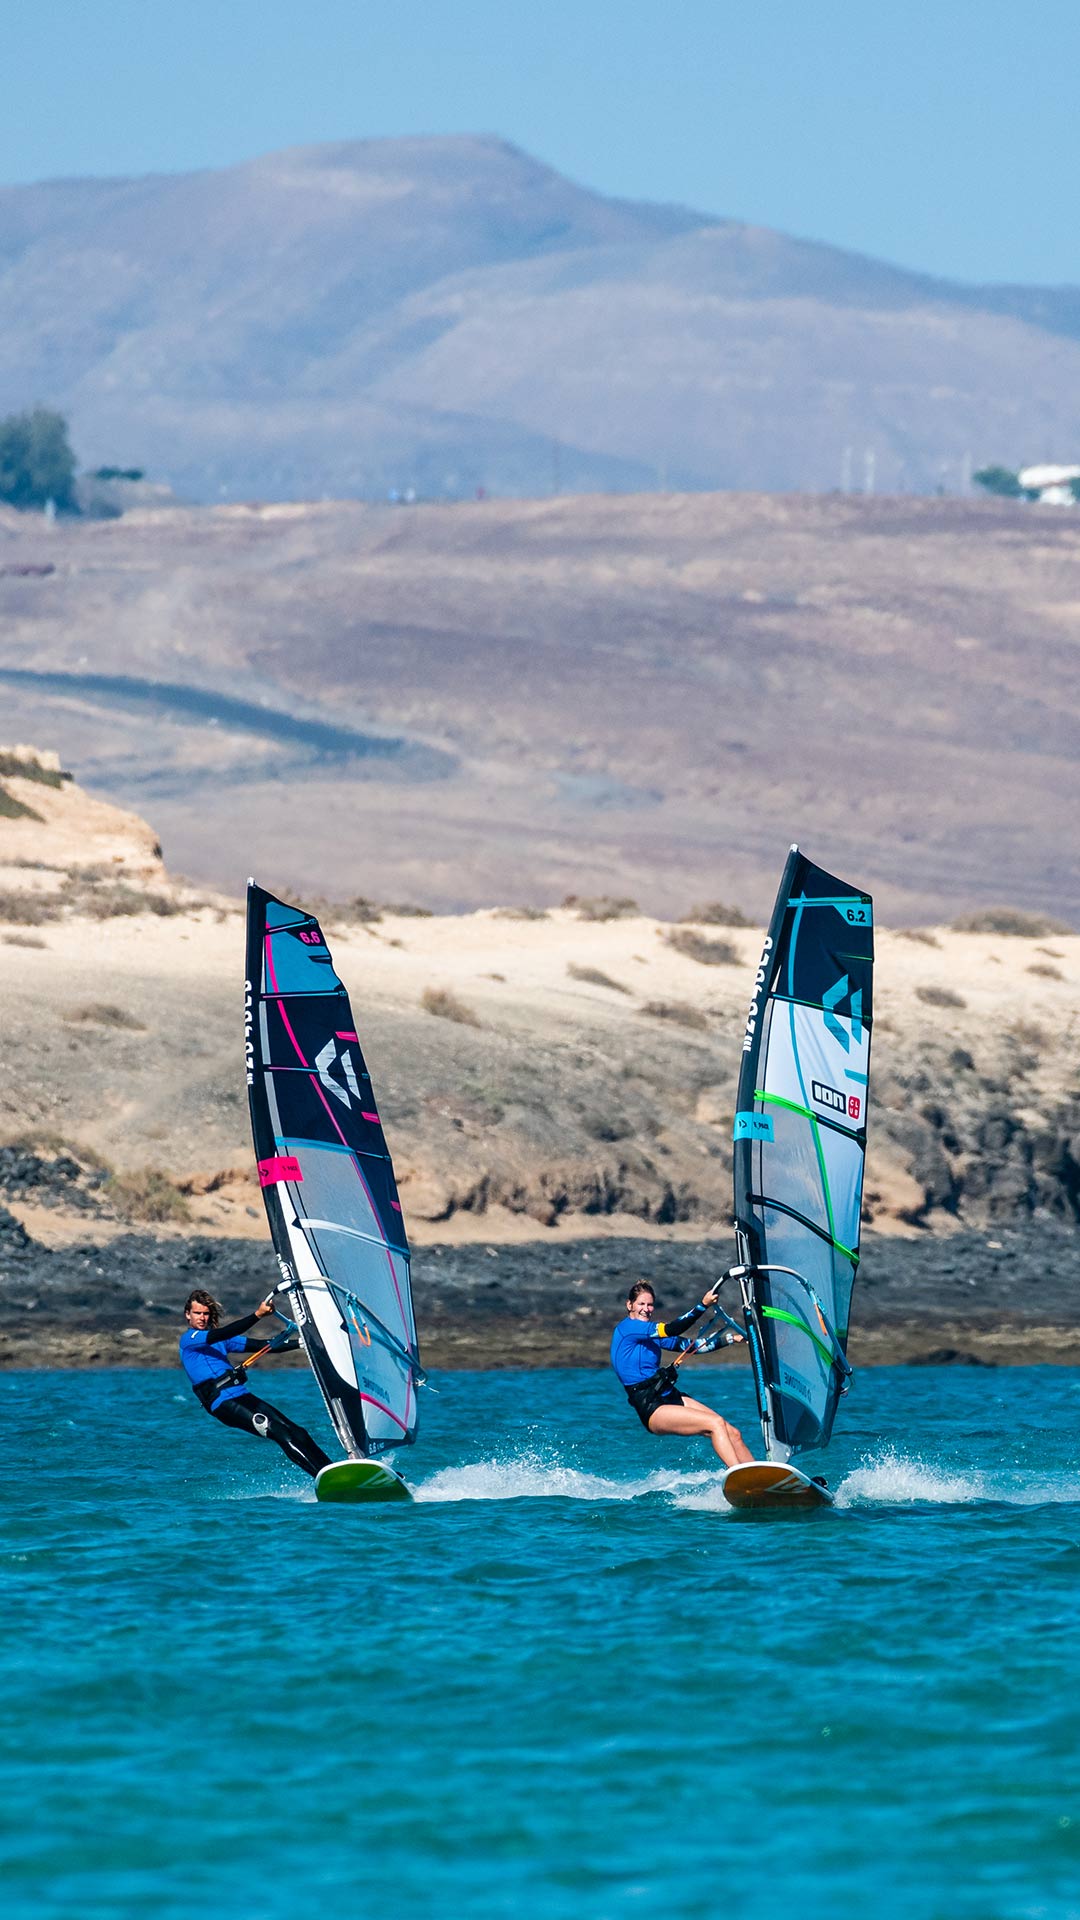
200,1297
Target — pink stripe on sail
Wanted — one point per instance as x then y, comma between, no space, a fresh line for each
281,1003
348,1036
389,1411
370,1116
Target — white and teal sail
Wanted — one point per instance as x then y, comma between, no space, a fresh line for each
800,1149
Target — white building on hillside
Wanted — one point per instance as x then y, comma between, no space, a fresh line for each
1051,484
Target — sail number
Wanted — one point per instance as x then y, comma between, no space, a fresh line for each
857,916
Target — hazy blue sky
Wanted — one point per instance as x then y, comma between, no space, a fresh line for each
938,133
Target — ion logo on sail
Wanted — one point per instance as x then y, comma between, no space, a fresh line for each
829,1096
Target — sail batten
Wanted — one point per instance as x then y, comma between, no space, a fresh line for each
328,1181
800,1145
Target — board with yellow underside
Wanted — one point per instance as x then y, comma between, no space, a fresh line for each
351,1482
764,1486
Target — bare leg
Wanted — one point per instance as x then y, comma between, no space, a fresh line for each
694,1417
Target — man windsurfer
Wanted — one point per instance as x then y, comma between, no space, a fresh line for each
653,1390
222,1388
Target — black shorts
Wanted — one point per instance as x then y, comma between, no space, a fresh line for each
659,1390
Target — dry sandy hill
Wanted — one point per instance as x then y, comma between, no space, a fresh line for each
540,1075
514,701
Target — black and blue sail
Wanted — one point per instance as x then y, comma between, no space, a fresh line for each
800,1149
328,1181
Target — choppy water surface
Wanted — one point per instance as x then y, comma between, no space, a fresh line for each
566,1682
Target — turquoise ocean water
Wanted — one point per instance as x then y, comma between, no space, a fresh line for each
566,1682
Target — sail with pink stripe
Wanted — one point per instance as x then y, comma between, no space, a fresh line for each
328,1181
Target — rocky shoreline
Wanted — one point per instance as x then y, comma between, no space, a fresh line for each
1009,1299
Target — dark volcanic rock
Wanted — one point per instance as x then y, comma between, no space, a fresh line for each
539,1304
948,1357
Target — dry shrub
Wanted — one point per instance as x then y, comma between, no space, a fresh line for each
147,1194
1026,926
12,809
922,934
714,913
1044,972
939,997
42,1141
358,912
592,977
440,1001
678,1012
22,940
711,953
98,1013
27,909
12,767
520,913
115,902
1027,1034
602,907
1052,953
405,911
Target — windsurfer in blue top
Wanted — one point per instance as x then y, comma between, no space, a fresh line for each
653,1390
222,1388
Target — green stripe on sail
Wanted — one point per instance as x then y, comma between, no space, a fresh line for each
777,1100
792,1106
778,1313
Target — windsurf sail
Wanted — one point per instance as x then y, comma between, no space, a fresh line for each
800,1148
327,1181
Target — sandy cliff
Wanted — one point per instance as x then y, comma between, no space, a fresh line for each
545,1078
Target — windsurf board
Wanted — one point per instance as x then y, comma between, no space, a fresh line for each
351,1481
764,1486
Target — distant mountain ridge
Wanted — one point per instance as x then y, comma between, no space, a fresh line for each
448,314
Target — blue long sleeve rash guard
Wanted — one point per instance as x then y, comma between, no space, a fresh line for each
204,1354
636,1344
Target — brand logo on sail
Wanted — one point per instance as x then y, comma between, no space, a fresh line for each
829,1096
831,1000
330,1057
755,1004
249,1032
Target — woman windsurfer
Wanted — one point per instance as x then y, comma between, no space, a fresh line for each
653,1390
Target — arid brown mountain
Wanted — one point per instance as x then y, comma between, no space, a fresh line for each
448,314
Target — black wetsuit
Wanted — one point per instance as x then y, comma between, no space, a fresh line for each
224,1394
257,1416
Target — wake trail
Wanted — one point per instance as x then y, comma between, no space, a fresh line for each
898,1479
532,1477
